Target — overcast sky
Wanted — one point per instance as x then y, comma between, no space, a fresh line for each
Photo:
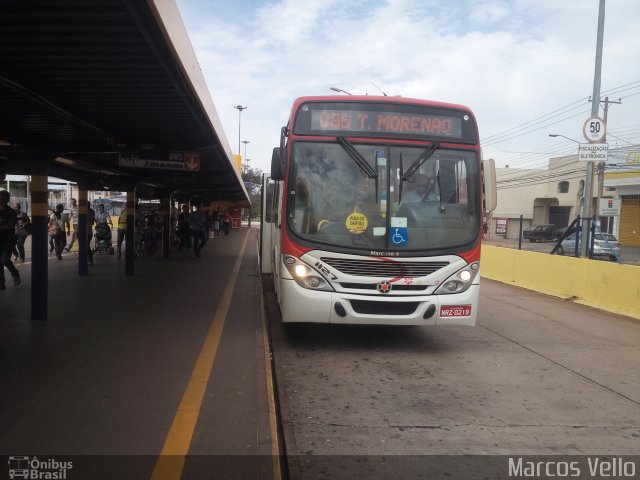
525,67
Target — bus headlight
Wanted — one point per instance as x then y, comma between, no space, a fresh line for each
304,275
459,281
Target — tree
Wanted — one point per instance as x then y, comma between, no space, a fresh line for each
252,178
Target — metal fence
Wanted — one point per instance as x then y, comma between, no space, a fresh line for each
55,197
508,231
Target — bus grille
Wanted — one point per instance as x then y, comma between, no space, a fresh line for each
382,268
383,308
373,286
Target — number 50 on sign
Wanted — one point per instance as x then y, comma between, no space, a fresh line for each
594,129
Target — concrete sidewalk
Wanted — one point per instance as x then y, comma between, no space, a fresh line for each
107,372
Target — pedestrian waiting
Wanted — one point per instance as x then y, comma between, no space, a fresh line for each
198,227
22,231
7,239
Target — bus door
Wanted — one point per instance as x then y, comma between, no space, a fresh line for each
266,225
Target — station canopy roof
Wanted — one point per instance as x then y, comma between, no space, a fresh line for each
109,94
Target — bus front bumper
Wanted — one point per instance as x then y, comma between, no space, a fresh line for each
301,305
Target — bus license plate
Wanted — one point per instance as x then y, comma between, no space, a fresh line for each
455,310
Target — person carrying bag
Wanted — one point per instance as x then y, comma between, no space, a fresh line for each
56,230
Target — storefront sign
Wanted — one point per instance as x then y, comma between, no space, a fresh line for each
501,226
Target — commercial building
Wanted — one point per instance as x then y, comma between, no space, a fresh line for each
555,195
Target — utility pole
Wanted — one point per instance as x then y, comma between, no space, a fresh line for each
587,200
601,165
606,111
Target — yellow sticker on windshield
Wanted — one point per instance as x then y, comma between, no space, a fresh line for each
356,223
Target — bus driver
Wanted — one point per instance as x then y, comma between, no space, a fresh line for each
424,188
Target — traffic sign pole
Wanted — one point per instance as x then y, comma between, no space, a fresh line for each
595,105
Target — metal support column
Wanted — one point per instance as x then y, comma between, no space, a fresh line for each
83,231
165,209
39,246
130,235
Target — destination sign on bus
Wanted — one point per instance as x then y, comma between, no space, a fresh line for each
385,122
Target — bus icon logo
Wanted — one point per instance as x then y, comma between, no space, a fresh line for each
18,467
384,287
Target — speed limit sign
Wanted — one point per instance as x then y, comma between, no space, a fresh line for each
594,130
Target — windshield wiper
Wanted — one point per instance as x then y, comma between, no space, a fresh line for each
356,157
360,161
423,157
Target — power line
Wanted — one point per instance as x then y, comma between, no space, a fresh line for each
530,159
540,175
526,127
576,176
540,157
627,134
511,133
621,88
558,172
615,136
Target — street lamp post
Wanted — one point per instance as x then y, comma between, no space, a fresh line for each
240,108
336,89
558,135
246,160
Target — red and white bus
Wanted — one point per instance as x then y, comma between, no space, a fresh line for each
373,212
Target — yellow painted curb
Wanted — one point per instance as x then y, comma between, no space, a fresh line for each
605,285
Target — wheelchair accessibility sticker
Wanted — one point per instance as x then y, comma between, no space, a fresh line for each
399,234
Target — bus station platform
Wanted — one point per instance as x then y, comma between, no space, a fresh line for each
164,374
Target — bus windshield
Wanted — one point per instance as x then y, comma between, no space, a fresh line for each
414,202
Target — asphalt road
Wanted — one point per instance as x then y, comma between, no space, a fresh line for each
536,376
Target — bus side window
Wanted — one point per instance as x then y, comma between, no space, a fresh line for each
302,210
269,209
277,204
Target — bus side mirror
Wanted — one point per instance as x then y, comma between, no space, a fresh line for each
277,170
489,185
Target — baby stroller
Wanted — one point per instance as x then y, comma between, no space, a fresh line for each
103,239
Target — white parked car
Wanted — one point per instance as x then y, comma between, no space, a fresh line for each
605,246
